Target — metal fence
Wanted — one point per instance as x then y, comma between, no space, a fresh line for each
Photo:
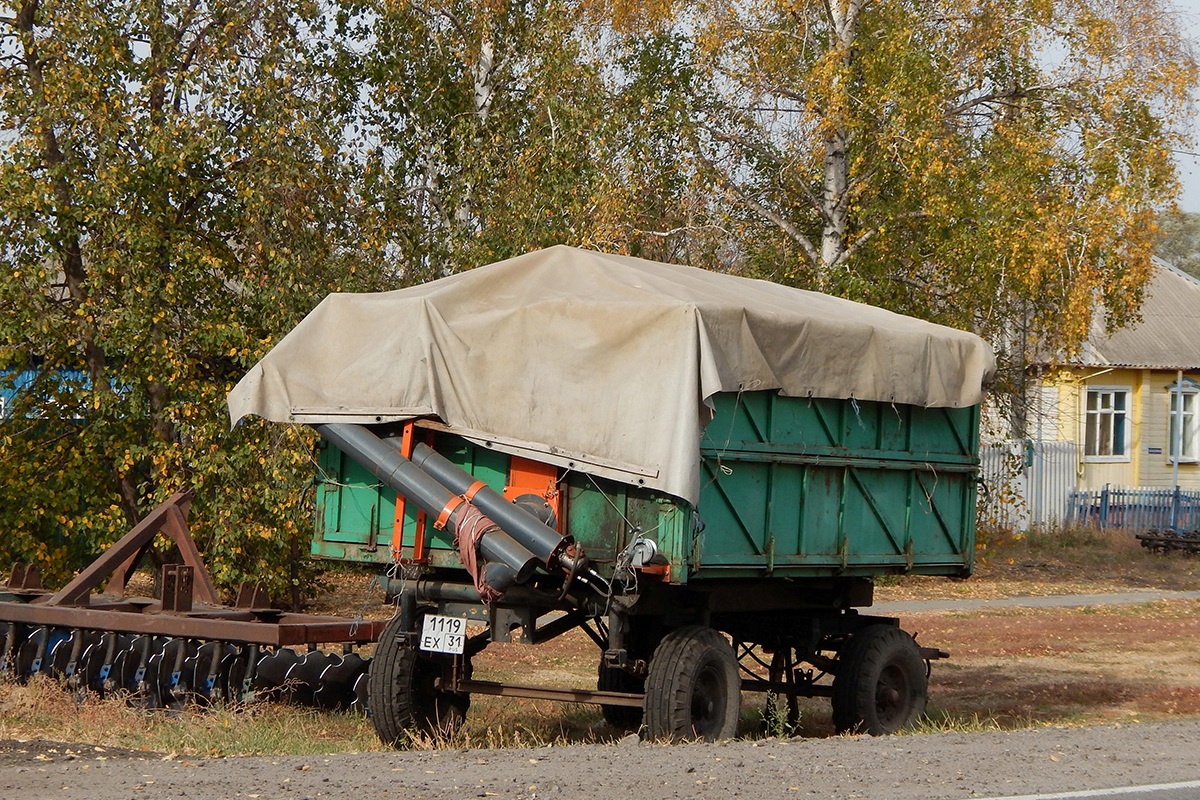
1136,509
1027,482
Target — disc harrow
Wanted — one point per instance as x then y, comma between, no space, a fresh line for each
166,672
1169,541
183,647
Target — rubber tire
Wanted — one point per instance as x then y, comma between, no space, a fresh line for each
881,685
609,679
401,698
693,690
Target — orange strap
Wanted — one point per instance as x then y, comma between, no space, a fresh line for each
450,508
457,501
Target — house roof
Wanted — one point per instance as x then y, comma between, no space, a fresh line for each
1168,337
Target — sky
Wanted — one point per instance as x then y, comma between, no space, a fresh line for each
1189,162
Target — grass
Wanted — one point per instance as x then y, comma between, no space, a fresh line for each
41,709
938,720
1071,544
1054,560
495,723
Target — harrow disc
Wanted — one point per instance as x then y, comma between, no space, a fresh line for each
270,675
337,689
68,658
158,672
203,680
36,653
100,660
304,677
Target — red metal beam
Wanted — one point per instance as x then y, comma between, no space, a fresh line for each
212,624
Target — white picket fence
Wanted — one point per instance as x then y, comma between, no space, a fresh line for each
1027,483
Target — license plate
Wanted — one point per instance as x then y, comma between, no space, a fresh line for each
443,634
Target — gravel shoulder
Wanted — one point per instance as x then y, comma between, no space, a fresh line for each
932,767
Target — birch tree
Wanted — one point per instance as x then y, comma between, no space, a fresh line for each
480,128
1178,241
992,165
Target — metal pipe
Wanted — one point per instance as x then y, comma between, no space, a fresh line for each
442,591
497,547
555,550
509,561
542,540
428,590
386,463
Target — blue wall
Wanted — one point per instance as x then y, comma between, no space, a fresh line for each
13,383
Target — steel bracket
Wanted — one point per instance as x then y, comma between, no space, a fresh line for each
25,578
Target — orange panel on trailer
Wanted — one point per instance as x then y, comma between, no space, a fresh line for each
528,477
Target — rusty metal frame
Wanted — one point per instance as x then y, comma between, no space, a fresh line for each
217,624
119,560
189,607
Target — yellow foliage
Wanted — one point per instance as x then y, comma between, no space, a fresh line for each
988,164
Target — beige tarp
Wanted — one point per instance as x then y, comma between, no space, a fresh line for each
598,362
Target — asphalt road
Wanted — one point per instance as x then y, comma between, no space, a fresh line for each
1047,601
948,766
1186,790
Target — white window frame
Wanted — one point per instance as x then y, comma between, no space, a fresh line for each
1117,422
1189,393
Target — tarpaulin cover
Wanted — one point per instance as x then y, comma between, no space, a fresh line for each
598,362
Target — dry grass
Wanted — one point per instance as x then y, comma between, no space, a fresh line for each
496,722
41,709
1067,560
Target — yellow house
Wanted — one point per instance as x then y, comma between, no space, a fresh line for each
1129,401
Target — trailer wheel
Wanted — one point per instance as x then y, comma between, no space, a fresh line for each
625,718
402,697
881,683
693,690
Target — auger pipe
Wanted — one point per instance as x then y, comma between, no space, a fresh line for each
497,547
542,540
547,544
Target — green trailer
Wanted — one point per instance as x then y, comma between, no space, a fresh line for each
793,489
715,528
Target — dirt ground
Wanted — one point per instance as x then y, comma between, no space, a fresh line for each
1032,699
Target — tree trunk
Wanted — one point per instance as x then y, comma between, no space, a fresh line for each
483,76
835,196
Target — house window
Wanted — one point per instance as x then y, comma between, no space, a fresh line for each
1181,425
1106,424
